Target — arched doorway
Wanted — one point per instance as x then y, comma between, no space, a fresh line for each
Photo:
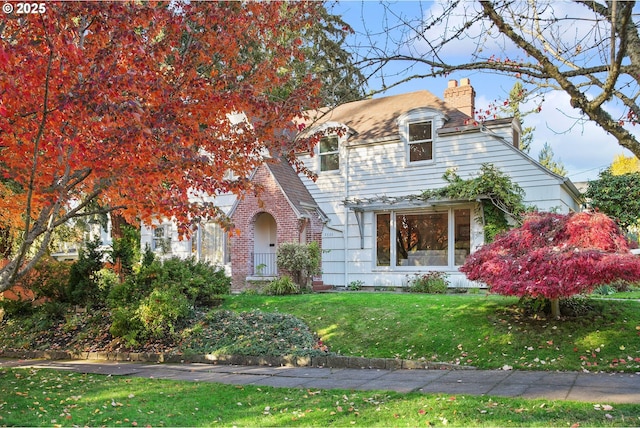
264,245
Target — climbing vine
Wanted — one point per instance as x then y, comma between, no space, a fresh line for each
501,198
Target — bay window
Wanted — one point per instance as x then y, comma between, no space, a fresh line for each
433,238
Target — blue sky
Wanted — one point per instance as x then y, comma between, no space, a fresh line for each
581,146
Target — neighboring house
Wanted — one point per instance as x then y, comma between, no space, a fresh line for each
70,250
363,207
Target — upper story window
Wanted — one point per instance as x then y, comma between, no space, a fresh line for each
421,141
329,155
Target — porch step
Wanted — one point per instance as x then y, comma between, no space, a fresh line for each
319,285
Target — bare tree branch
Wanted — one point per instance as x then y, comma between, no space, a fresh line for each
588,49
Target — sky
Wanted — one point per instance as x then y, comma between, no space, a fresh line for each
581,146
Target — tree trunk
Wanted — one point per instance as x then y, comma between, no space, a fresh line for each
117,222
555,308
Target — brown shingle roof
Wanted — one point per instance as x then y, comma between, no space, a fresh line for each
292,186
375,118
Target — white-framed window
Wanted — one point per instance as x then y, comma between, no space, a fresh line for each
329,153
420,141
423,238
213,243
161,241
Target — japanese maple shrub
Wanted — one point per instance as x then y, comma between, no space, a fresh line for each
554,256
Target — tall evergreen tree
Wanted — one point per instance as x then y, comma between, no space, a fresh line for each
545,157
517,96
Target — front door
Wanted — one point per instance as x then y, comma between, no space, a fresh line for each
264,247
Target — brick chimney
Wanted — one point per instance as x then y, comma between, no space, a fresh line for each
462,97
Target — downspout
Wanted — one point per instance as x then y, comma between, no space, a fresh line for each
345,235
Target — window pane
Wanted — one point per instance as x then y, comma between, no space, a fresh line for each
383,240
420,151
422,239
161,240
329,162
212,244
420,131
463,235
329,156
329,144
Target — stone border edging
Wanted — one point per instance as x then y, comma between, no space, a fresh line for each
325,361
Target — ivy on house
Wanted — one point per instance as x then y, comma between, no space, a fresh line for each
501,198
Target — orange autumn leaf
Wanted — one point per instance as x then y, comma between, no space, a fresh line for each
138,106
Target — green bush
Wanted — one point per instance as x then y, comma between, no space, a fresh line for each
621,285
126,325
161,310
83,288
153,301
430,282
54,310
281,286
355,285
300,260
106,279
604,290
126,249
17,308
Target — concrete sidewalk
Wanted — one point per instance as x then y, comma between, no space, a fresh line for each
589,387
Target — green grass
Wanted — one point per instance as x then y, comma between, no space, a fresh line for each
481,331
484,331
32,397
631,294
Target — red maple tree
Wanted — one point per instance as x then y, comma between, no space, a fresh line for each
554,256
141,108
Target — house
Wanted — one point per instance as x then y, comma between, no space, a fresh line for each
363,207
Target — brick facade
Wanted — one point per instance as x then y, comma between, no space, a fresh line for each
290,226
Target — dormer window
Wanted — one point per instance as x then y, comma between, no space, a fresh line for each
329,155
421,141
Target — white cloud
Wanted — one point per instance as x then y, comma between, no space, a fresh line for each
484,41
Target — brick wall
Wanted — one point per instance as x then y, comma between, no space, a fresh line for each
462,97
289,228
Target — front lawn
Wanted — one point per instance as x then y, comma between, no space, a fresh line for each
484,331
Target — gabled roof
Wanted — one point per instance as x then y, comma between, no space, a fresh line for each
375,118
293,188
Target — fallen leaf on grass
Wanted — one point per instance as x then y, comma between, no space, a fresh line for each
606,407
